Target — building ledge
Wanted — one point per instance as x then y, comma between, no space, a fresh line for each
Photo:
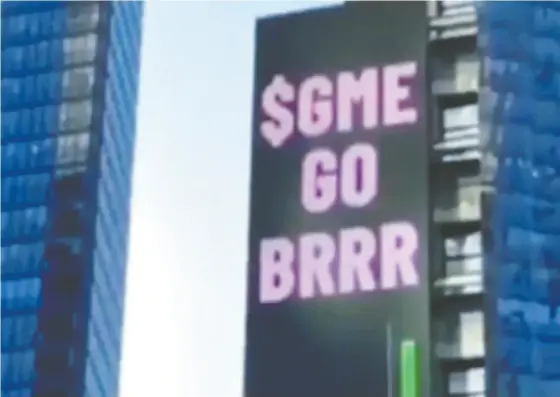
451,25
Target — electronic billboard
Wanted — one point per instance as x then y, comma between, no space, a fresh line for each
338,294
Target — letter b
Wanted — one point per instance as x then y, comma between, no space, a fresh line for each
276,278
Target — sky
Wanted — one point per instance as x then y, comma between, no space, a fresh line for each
185,305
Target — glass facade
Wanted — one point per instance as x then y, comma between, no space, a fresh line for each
519,111
69,93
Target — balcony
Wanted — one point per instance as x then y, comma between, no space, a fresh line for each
467,284
457,351
459,334
460,138
453,19
462,205
463,81
462,270
466,382
460,145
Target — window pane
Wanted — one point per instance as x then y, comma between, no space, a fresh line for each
467,72
77,82
75,116
463,245
459,117
82,17
73,148
463,266
80,49
471,333
467,382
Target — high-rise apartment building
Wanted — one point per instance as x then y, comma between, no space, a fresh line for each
442,39
336,89
70,74
458,339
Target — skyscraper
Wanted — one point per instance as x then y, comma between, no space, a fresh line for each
519,123
69,92
493,94
310,330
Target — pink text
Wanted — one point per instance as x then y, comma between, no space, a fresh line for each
355,176
319,264
322,105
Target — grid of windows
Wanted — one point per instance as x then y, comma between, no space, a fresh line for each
113,200
57,335
521,89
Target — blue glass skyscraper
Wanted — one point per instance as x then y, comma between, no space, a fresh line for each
69,92
520,43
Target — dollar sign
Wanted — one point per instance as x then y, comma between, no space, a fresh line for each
280,124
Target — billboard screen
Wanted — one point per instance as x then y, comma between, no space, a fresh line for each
338,250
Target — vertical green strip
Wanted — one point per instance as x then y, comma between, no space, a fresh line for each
409,373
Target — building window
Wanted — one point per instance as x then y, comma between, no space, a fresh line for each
460,127
456,73
522,243
467,69
18,331
15,26
471,333
73,148
20,294
21,258
461,335
25,223
12,59
469,383
463,255
468,245
11,91
28,189
77,82
464,267
516,280
460,204
82,17
79,50
75,116
460,117
43,54
41,153
23,392
17,367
